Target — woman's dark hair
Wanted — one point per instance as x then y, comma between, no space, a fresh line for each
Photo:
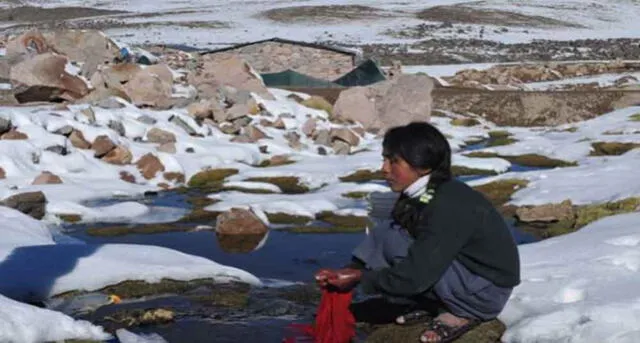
422,146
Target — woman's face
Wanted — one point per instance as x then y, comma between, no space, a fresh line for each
398,173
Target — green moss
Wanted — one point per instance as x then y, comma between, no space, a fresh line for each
284,218
248,190
465,122
570,129
230,298
489,332
211,177
318,103
481,154
611,148
461,170
590,213
635,117
70,218
201,201
534,160
136,288
200,215
287,184
438,113
501,141
344,221
363,176
499,192
239,244
113,231
356,195
499,134
271,163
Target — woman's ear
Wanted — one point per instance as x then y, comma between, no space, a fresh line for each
424,172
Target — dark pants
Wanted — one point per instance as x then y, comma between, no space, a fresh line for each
463,293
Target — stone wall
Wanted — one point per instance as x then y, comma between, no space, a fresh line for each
273,57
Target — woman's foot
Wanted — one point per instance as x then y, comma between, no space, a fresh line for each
446,328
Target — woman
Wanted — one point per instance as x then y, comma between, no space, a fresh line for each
446,242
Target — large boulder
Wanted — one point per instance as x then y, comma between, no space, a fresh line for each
26,46
237,221
31,203
386,104
149,165
217,72
48,71
149,89
92,48
546,213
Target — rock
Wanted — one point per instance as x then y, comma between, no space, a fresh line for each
345,135
118,156
162,71
235,112
341,147
169,148
254,134
294,140
148,89
309,127
182,124
102,145
48,71
240,222
127,177
57,149
5,125
279,160
234,96
3,174
156,135
174,177
149,165
26,46
200,110
229,128
90,47
46,178
31,203
64,131
109,102
77,140
90,114
322,137
546,213
218,71
147,120
386,104
5,69
14,135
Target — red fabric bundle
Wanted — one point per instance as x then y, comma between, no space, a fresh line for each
334,322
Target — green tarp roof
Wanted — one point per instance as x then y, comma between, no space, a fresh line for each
365,74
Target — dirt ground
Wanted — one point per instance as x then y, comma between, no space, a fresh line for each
324,14
36,14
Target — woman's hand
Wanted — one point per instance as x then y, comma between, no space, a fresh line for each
345,279
323,275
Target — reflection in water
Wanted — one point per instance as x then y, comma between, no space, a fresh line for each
241,243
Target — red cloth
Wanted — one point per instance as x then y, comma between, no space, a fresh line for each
334,322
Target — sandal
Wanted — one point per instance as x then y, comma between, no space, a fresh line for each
419,316
449,333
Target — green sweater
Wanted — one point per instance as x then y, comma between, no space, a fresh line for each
459,223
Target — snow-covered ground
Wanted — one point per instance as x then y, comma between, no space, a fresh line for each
598,20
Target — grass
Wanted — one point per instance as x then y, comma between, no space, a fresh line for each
356,195
363,176
611,148
635,117
460,171
499,192
210,178
590,213
343,221
248,190
499,134
318,103
138,229
288,184
467,122
530,160
284,218
70,218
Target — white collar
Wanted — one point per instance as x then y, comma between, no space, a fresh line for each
418,187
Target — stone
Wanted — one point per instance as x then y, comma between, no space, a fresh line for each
294,140
234,112
90,114
30,203
91,47
345,135
109,102
14,135
145,119
229,128
127,177
156,135
26,46
279,124
322,137
46,178
3,174
149,165
57,149
239,222
341,147
309,127
77,140
200,110
546,213
227,71
182,124
48,71
118,156
102,145
234,96
254,133
162,71
148,89
174,177
5,125
65,130
169,148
